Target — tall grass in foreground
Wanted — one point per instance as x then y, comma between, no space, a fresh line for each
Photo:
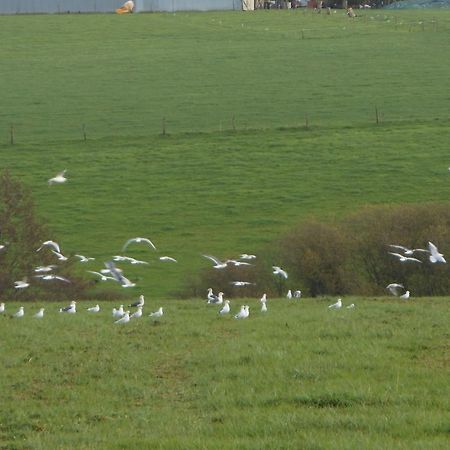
301,376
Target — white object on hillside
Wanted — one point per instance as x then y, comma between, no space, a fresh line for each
94,309
226,308
336,305
40,314
58,179
20,313
157,314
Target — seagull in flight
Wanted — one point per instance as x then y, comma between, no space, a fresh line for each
49,268
20,313
238,263
52,277
40,314
336,305
22,284
435,256
247,256
408,251
58,179
138,240
60,256
128,259
403,258
394,288
54,245
240,283
167,258
279,271
124,319
84,259
94,309
157,314
102,276
117,275
217,263
225,308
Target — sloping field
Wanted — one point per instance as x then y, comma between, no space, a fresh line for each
220,191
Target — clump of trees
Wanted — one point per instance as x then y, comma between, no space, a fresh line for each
22,233
350,256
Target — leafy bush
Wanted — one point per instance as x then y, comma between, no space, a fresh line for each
22,234
350,256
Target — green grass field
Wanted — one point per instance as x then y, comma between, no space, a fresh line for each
236,169
301,376
220,191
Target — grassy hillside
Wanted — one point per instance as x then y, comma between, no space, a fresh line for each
302,376
220,191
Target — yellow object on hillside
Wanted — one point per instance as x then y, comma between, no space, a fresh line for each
127,7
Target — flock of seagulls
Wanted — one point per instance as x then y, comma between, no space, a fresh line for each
113,273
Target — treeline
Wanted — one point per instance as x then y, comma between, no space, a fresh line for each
350,256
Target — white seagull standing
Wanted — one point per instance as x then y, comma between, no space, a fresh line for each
137,314
264,307
20,313
40,314
94,309
297,294
59,178
336,305
140,302
405,296
279,271
157,314
435,256
117,313
243,313
71,309
289,294
350,306
138,240
2,308
226,308
124,319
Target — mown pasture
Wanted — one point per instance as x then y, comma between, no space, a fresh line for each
301,376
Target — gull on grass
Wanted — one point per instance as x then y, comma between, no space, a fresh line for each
243,313
157,314
40,314
137,314
71,309
117,313
94,309
225,308
138,303
124,319
405,296
20,313
2,308
336,305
